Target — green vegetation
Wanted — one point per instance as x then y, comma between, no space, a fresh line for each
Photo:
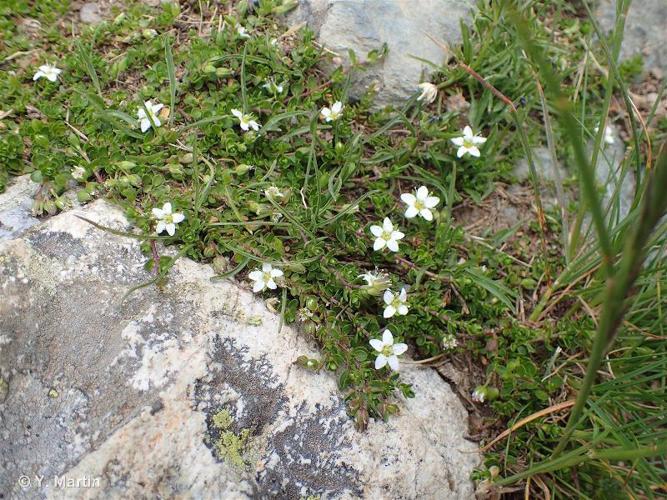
529,305
228,446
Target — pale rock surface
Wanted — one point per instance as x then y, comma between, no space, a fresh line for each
405,25
645,30
16,207
124,394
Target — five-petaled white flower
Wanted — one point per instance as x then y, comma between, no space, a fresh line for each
78,172
429,92
166,219
273,87
145,119
245,120
265,278
420,203
242,32
386,235
468,143
388,351
608,134
47,71
333,113
395,303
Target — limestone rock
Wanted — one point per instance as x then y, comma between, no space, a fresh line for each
15,207
90,13
189,390
405,25
645,30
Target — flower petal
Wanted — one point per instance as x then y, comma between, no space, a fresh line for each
458,141
403,295
161,226
431,201
171,229
387,337
422,193
271,284
376,344
145,124
266,267
467,131
478,139
237,113
408,198
462,150
402,310
379,244
387,225
388,297
393,363
178,217
258,286
157,213
397,235
399,348
166,208
389,312
376,231
411,212
474,151
426,214
392,245
255,275
276,273
380,361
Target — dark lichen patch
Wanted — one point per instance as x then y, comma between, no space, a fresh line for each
310,455
262,393
57,244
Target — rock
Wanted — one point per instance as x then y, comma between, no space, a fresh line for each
645,30
189,390
16,207
607,175
405,25
90,13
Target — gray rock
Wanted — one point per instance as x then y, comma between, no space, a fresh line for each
645,30
16,206
188,390
405,25
90,13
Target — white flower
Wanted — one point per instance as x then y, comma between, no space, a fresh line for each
78,173
449,341
608,134
420,204
273,87
334,113
245,121
145,120
388,351
385,235
429,92
265,278
395,303
479,395
166,220
468,142
242,32
47,71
